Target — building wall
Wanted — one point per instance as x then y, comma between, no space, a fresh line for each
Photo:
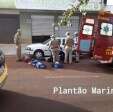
25,21
72,26
8,26
25,26
43,26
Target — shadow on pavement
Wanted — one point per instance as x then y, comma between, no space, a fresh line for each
16,102
92,66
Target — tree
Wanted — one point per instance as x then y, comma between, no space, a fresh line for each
71,12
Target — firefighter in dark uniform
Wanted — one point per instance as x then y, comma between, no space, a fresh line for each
18,41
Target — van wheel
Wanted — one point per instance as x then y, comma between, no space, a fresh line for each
38,54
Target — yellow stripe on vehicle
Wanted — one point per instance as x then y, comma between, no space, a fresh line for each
3,75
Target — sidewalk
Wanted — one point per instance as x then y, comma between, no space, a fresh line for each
10,49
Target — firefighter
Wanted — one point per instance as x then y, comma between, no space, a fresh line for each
55,49
18,41
69,43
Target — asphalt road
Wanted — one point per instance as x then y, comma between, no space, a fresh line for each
30,90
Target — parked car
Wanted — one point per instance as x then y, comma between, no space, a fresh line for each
3,69
42,49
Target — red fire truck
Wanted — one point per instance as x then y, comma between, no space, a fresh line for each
103,48
96,36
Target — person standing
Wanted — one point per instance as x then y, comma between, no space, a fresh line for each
55,49
69,43
18,41
76,42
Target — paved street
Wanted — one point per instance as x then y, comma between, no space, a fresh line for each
30,90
